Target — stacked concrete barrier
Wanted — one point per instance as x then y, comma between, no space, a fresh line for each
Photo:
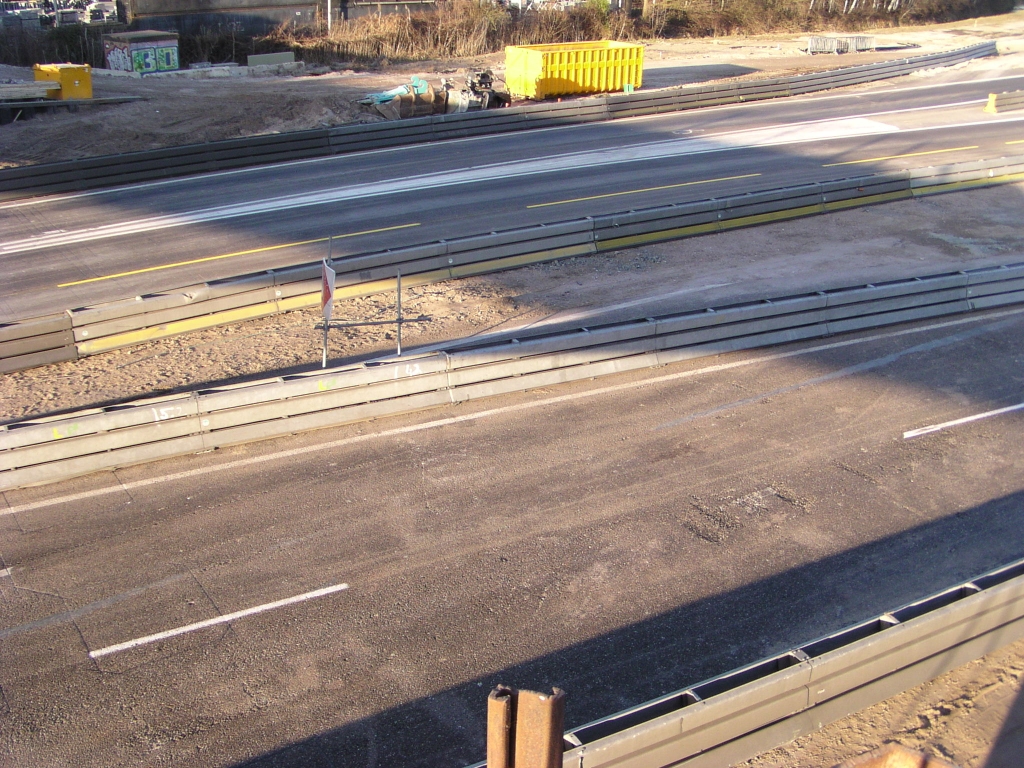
53,448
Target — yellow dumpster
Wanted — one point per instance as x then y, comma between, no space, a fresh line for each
74,80
602,66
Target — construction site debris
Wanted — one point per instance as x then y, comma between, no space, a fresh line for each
419,98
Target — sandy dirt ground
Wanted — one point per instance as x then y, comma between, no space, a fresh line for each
957,716
179,109
973,717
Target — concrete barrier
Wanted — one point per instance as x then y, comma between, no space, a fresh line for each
119,324
55,448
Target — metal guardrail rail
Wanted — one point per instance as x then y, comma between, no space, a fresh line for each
53,448
92,330
738,715
111,170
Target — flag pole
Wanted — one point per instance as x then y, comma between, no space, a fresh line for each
326,298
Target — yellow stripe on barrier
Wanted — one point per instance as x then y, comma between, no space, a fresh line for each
973,184
250,252
767,218
650,237
856,202
647,189
307,300
467,270
898,157
201,323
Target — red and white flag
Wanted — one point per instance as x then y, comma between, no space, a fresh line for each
327,292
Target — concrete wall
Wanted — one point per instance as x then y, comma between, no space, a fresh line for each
253,17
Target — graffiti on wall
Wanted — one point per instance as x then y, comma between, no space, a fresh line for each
142,57
117,56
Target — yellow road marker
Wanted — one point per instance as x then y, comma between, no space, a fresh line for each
1018,141
897,157
647,189
232,255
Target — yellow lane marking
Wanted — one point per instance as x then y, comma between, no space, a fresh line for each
647,189
233,255
1018,141
897,157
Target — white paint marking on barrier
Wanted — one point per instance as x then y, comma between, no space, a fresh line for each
965,420
319,447
215,621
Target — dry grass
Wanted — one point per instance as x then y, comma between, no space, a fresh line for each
465,28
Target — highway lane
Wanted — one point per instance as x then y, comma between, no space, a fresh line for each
617,538
36,275
406,196
323,173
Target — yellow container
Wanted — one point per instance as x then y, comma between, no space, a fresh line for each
602,66
75,80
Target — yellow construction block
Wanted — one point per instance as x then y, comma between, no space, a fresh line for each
1004,102
602,66
75,80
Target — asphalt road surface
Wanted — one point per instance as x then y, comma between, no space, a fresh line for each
76,250
619,538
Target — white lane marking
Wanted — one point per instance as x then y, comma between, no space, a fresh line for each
795,133
304,450
603,124
884,113
965,420
214,622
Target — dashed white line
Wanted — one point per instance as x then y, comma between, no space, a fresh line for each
127,645
964,420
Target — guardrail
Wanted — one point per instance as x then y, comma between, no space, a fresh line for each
92,330
131,167
1005,102
738,715
54,448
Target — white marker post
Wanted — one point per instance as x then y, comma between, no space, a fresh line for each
399,287
326,302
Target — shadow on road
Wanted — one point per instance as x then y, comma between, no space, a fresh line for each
680,647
